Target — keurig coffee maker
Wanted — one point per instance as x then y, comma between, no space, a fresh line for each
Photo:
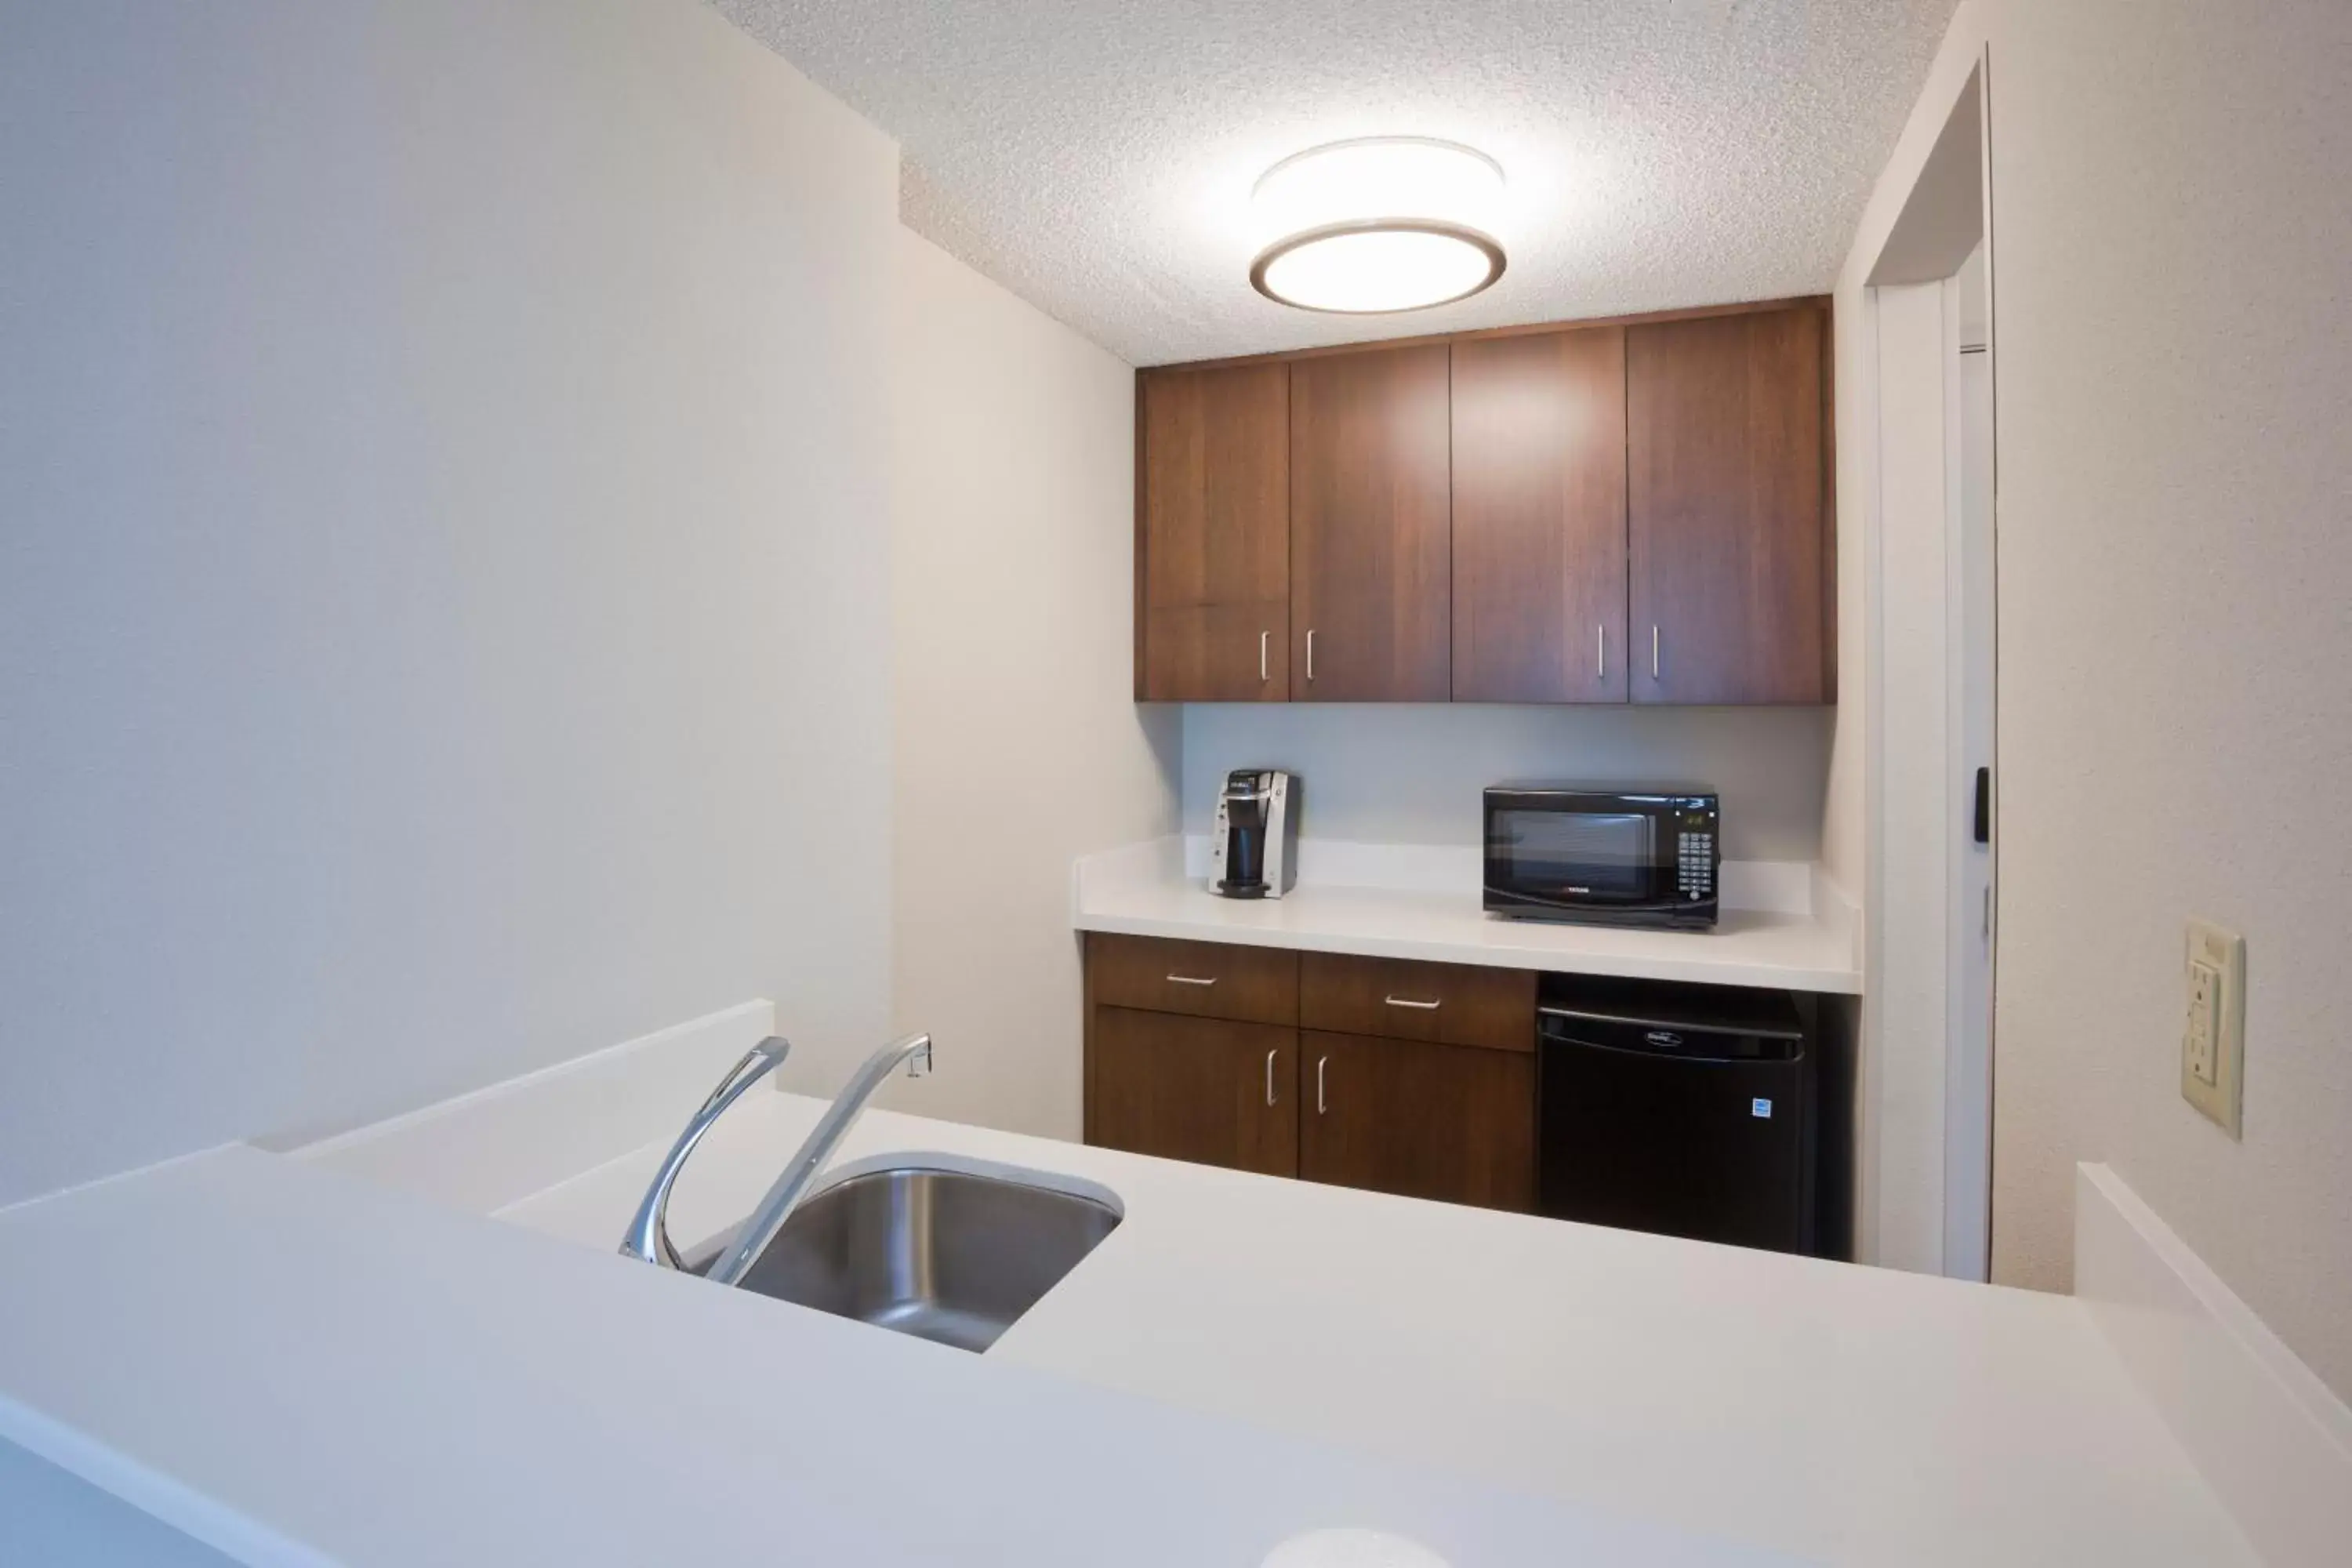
1254,850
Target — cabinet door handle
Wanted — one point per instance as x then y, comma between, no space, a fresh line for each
1417,1006
1263,640
1310,653
1653,651
1320,1062
1192,980
1599,653
1269,1073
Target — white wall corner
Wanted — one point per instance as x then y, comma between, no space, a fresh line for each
1151,861
2271,1440
483,1150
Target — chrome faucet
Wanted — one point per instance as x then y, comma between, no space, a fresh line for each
648,1237
792,1186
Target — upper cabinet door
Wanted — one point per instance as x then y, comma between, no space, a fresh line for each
1213,535
1729,538
1370,509
1540,518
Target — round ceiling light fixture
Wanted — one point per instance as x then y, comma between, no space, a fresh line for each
1378,225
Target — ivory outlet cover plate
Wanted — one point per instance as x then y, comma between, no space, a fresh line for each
2214,1029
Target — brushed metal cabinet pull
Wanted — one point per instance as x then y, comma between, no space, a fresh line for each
1599,653
1269,1073
1419,1006
1263,640
1192,980
1653,651
1321,1063
1310,653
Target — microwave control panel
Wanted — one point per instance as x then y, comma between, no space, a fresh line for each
1696,855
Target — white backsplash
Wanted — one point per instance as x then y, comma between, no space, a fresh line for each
1784,887
1413,773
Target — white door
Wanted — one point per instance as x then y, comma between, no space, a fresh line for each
1968,1092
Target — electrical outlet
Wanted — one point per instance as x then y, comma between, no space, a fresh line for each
2204,998
2213,1035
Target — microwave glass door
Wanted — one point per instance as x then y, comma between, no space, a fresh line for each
1579,854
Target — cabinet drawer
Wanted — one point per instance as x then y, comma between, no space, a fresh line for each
1206,979
1457,1004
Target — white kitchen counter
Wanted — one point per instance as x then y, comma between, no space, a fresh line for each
1783,927
298,1368
303,1367
1833,1413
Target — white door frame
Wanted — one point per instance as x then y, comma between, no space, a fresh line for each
1925,1091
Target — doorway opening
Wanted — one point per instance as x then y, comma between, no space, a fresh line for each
1928,1015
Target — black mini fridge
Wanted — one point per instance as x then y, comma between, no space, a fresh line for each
1686,1110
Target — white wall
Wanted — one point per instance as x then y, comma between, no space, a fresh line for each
2171,223
1413,774
1019,743
2174,379
445,578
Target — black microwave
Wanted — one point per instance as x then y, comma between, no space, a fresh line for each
1605,857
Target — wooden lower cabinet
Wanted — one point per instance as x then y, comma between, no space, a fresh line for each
1421,1079
1456,1123
1211,1090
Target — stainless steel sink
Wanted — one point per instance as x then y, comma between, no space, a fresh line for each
948,1256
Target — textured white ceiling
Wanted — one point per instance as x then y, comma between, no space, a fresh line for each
1095,156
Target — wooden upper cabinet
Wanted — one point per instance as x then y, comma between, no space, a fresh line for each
1540,518
1212,551
1616,511
1727,479
1371,548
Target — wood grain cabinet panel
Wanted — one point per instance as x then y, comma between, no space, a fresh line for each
1370,551
1457,1004
1726,485
1456,1123
1213,552
1211,1090
1209,979
1540,518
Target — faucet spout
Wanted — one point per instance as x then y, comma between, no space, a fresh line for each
800,1172
648,1237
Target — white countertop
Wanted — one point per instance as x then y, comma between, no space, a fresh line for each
302,1367
298,1368
1833,1412
1802,940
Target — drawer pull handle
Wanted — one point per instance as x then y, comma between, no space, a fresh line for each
1320,1062
1192,980
1417,1006
1269,1073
